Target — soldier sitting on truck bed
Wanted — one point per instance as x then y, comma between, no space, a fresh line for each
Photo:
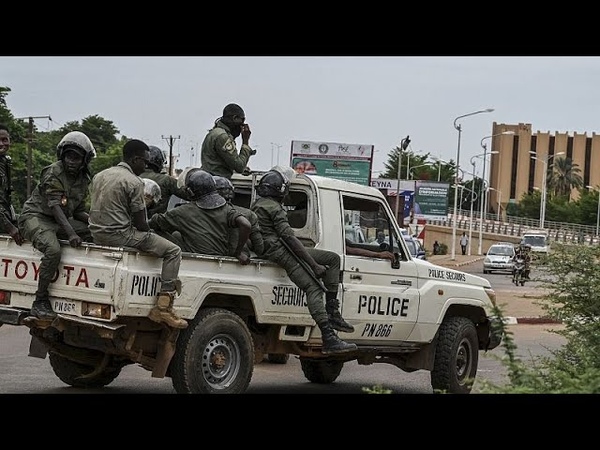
255,242
118,218
205,221
304,266
56,210
8,218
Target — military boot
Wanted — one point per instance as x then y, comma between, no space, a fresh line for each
41,308
332,343
163,311
332,306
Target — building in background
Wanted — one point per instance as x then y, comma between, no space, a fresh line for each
514,173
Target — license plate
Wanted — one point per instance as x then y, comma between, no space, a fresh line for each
64,307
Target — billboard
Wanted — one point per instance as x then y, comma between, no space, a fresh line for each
431,200
348,162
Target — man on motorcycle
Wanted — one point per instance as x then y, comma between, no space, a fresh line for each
524,251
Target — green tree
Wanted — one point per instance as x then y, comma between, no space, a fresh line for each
564,176
571,278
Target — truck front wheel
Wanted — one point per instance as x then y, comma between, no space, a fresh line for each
78,375
214,355
456,356
321,371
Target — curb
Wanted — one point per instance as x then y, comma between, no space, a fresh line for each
530,320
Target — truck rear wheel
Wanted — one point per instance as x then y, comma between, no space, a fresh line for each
214,355
456,356
71,372
321,371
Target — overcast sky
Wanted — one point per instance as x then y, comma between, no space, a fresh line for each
353,100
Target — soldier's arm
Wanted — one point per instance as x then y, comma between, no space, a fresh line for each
227,150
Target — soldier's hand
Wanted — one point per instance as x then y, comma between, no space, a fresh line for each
247,171
319,270
244,259
75,240
16,235
246,133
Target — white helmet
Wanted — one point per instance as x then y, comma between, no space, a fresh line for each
78,141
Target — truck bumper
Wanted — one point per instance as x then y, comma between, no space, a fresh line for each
12,316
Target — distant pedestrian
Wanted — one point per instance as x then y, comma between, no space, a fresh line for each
464,240
436,248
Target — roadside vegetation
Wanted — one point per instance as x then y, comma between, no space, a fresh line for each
570,276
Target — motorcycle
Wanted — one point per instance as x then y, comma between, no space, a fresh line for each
519,271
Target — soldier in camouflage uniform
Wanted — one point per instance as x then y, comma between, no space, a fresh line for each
205,221
118,218
56,210
155,170
284,248
8,218
219,155
255,243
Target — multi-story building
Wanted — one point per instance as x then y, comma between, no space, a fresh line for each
513,171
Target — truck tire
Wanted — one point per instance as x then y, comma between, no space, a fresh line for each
456,356
214,355
321,371
69,372
278,358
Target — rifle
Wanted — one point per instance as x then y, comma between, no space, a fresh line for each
305,265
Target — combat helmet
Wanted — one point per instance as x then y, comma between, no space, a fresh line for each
78,141
156,160
202,188
224,187
274,183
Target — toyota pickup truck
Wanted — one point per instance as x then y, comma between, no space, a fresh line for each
408,313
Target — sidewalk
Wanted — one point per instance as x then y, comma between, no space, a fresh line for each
519,304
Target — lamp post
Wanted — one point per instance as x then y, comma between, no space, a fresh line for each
597,212
403,146
483,191
459,129
544,188
416,167
499,200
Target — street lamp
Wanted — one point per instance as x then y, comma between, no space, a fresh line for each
483,202
459,129
403,146
544,187
499,200
597,212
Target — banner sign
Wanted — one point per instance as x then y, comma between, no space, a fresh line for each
431,200
348,162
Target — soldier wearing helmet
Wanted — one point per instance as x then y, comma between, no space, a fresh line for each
203,225
255,242
219,155
56,210
155,171
303,265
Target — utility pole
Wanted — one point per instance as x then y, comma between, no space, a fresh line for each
29,149
170,140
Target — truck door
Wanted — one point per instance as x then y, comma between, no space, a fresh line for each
380,298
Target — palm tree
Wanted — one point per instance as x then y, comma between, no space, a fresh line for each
564,176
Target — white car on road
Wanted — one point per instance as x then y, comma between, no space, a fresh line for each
499,257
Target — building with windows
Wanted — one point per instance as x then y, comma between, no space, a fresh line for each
513,172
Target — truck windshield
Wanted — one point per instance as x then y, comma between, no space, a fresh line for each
535,241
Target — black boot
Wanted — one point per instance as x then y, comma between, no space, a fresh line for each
41,308
332,343
332,305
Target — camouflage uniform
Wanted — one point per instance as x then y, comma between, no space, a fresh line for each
38,225
6,209
116,193
219,155
273,222
202,230
168,187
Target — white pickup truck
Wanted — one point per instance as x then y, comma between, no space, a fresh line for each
409,313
